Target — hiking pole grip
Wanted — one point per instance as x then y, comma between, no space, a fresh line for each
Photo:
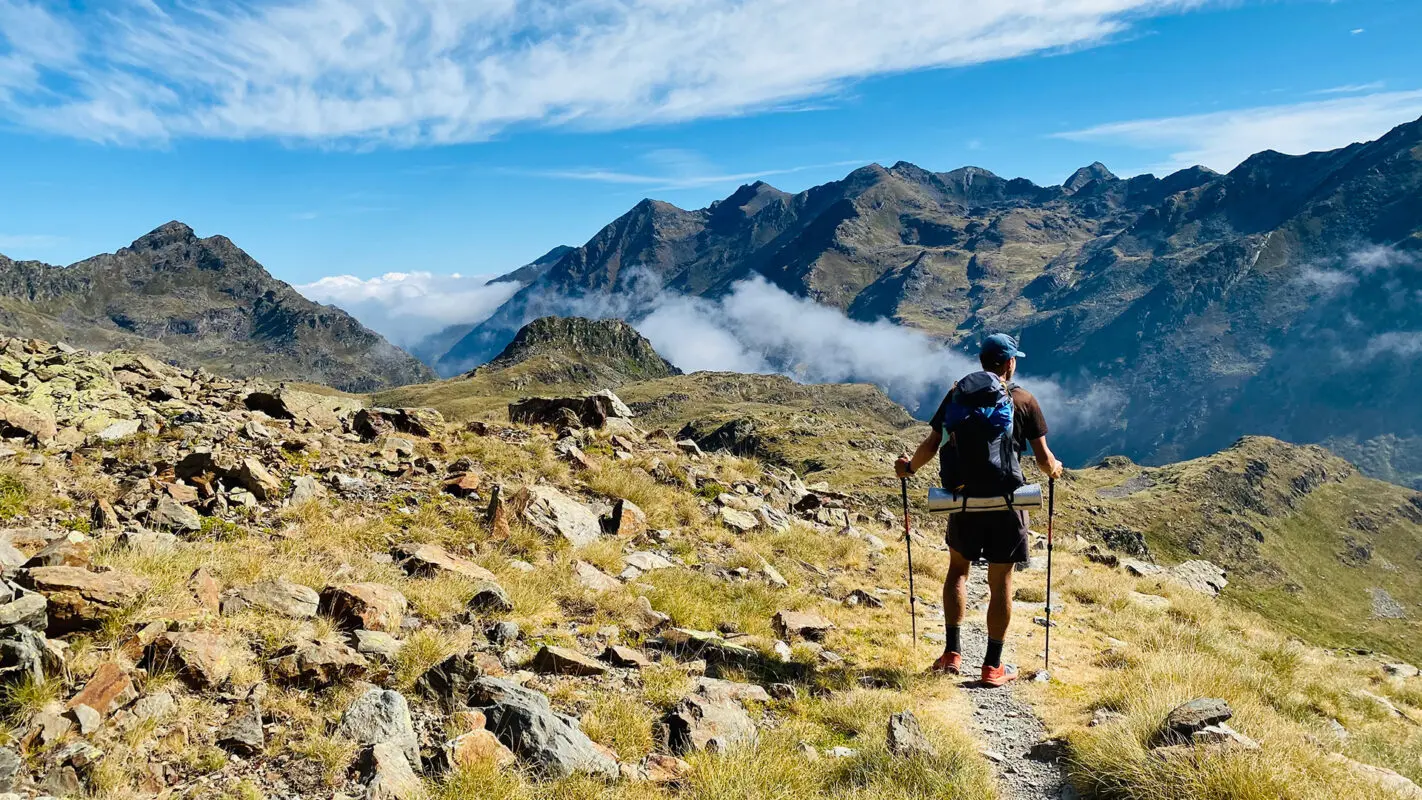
1051,512
908,543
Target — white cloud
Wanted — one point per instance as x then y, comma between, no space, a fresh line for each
1401,344
407,306
1221,140
1326,282
683,176
1351,88
432,71
1374,257
758,327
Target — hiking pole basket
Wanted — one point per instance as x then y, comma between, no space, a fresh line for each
1051,510
908,542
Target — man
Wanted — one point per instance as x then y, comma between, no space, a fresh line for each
998,536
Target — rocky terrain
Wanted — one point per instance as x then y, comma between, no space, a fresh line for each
1257,293
198,302
239,589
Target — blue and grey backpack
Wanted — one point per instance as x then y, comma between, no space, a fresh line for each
978,455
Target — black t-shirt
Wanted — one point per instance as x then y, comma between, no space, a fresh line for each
1028,423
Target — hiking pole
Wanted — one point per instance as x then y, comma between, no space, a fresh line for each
908,542
1051,510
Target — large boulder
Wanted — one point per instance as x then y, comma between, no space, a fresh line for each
549,742
23,608
801,624
388,773
449,682
590,411
701,722
322,411
278,597
372,423
170,515
1190,718
563,661
200,658
905,738
557,515
372,606
23,421
627,520
381,716
80,599
25,655
243,733
109,688
317,664
1201,576
428,560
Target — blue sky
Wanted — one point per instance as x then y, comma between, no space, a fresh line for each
335,137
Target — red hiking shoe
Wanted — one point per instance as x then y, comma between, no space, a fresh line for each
949,663
1000,675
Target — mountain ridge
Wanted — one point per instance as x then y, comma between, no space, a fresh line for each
1154,286
198,301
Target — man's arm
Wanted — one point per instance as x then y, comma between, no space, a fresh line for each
1045,460
927,449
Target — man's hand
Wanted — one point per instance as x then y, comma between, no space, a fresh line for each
1056,470
903,467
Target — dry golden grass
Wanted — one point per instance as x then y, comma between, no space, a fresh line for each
622,722
1284,695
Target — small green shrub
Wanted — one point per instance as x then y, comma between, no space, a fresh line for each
13,497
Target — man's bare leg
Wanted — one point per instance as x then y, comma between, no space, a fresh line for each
999,615
955,589
955,607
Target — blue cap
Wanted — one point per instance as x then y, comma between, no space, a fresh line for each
999,347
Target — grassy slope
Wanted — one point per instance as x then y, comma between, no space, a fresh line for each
1285,549
1284,692
843,433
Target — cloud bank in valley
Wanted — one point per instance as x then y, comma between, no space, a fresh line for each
759,327
407,306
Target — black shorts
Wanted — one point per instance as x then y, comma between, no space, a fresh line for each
1000,537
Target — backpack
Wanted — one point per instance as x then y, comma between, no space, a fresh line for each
978,457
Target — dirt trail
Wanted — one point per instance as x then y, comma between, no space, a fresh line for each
1006,726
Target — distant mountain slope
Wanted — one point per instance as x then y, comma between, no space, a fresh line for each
200,302
1306,540
1281,299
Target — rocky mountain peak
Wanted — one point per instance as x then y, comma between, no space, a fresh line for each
198,302
1096,171
610,342
164,235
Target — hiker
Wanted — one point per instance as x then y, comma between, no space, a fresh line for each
1000,537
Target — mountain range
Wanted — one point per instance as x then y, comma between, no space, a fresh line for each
199,302
1281,298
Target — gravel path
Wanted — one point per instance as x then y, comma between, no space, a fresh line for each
1006,725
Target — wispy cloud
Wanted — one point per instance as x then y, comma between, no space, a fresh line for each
1222,139
676,169
413,72
1352,88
